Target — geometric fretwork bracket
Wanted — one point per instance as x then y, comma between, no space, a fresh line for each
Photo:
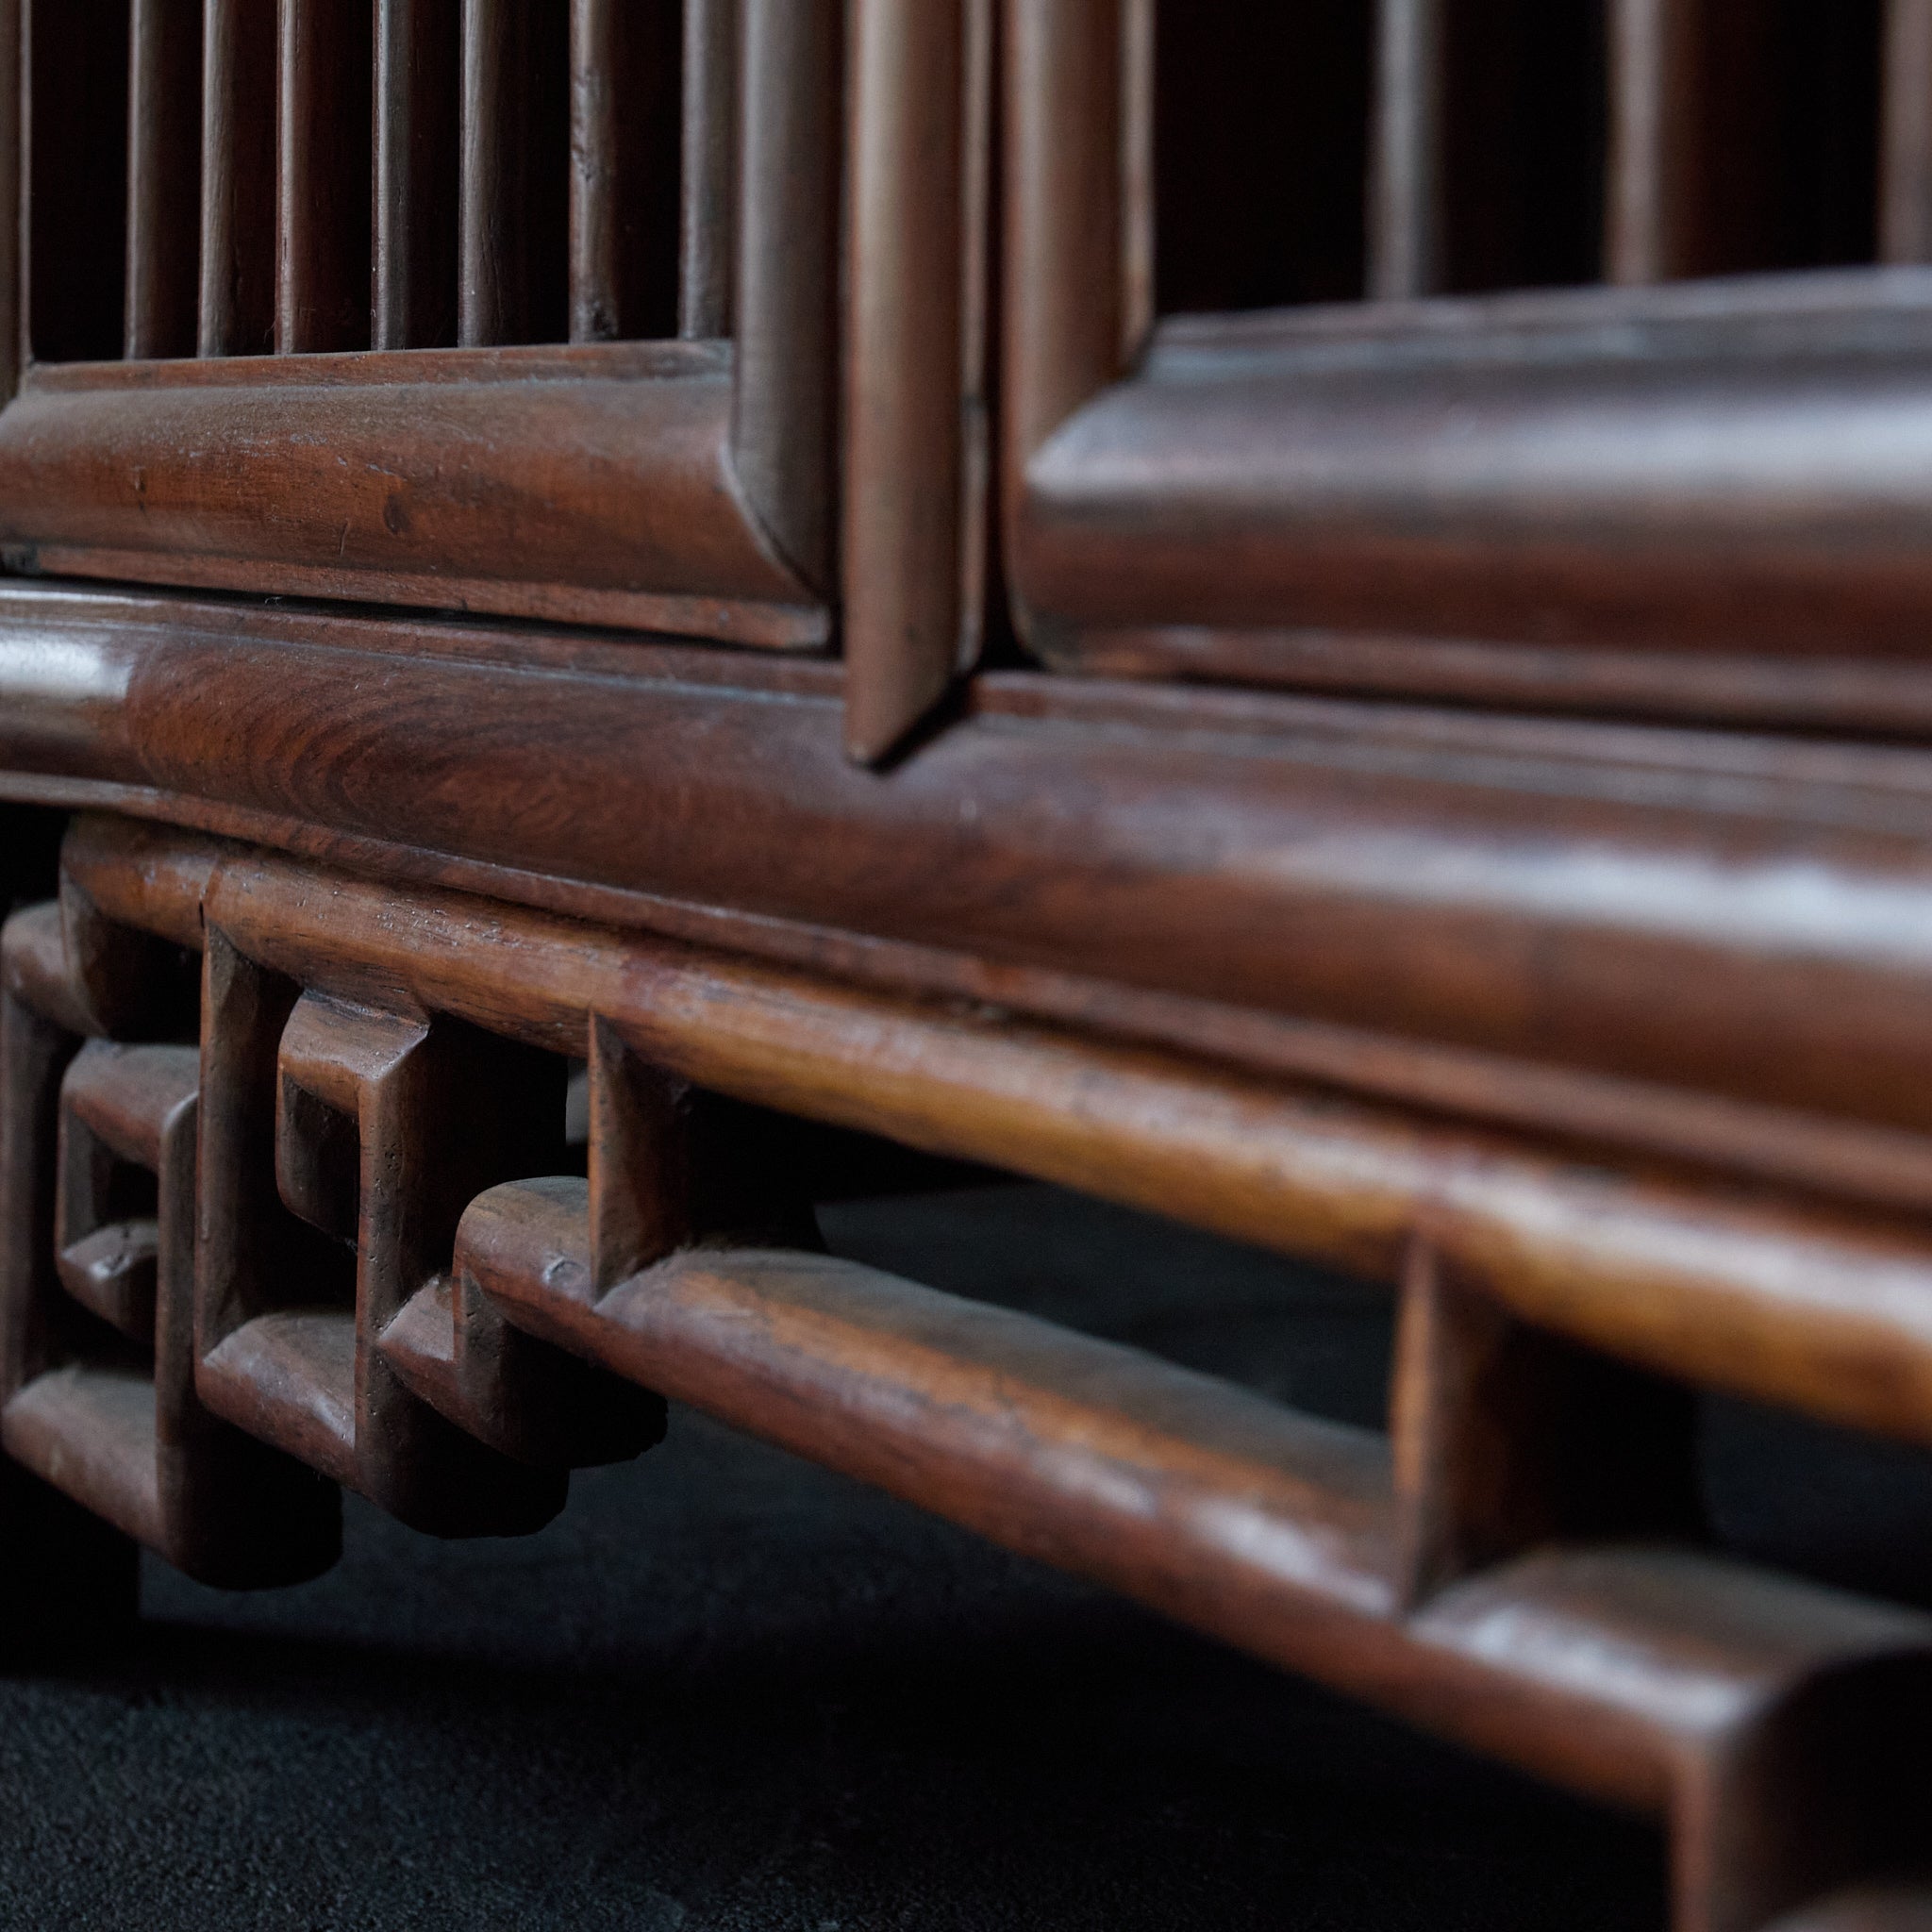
100,1399
342,1142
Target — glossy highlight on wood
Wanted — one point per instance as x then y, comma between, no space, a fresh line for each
1337,604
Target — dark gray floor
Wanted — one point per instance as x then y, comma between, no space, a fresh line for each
727,1690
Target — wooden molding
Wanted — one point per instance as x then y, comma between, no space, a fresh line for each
470,1319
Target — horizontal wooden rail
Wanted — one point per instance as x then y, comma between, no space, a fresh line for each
1472,914
590,483
1810,1307
1651,1678
1554,469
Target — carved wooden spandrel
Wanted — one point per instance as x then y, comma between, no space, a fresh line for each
450,1344
100,1181
337,1319
300,1275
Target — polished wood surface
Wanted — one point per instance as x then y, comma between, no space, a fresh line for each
1406,187
368,111
323,189
591,483
417,90
515,184
237,311
164,176
1278,876
1492,1573
1693,1282
1351,609
915,449
1665,479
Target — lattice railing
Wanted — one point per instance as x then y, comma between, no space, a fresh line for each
402,1283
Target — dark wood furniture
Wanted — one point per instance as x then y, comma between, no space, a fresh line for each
872,565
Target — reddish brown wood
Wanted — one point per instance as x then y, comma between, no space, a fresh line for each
117,1104
35,1050
418,145
1065,293
1652,230
625,87
511,285
1155,528
1741,137
487,484
1768,1723
667,787
1686,1281
1506,1438
236,308
1273,1531
1721,472
768,490
164,176
915,430
71,1574
785,296
14,348
287,1322
129,1442
707,195
1484,1005
322,193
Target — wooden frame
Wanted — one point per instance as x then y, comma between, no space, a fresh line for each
1677,500
696,477
1746,1711
1268,915
1472,1007
916,565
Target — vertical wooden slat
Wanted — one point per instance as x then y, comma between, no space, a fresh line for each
417,137
1063,311
1904,215
1404,241
323,182
1137,193
164,176
13,198
625,89
907,390
785,425
238,179
512,265
708,219
1651,207
77,148
1504,1437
